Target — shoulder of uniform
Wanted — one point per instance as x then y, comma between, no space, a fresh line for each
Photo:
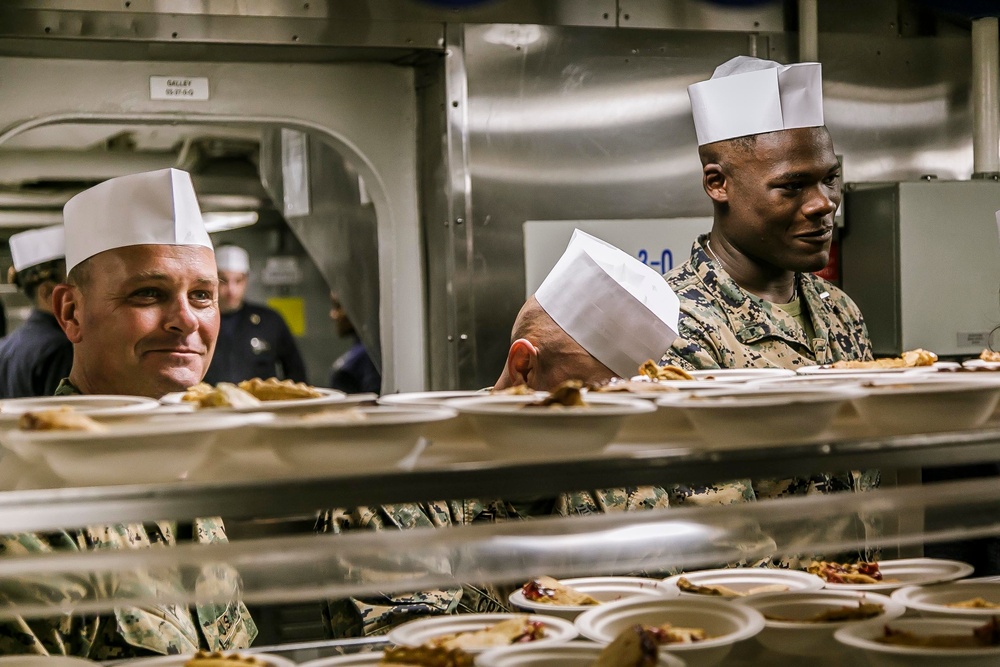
837,295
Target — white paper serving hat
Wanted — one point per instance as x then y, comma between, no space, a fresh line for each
617,308
155,208
751,96
37,246
232,258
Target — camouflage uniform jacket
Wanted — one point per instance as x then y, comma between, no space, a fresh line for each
130,631
723,326
377,614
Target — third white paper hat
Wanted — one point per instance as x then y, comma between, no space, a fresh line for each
37,246
232,258
617,308
155,208
748,96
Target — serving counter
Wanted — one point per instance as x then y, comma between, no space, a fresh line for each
313,567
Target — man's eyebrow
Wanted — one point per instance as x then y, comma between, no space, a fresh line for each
148,275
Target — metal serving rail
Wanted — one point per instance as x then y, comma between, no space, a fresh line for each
311,567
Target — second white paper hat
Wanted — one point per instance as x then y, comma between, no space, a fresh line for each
617,308
232,258
37,246
152,208
748,96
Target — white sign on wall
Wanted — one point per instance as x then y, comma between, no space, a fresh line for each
178,88
661,244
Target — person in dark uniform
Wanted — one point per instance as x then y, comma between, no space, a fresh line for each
254,340
35,357
353,372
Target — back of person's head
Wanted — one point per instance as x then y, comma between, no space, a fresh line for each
38,258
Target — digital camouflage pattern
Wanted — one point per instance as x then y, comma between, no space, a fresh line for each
355,617
723,326
130,631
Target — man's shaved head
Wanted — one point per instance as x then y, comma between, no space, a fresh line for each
554,356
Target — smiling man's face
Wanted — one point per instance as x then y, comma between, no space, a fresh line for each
143,321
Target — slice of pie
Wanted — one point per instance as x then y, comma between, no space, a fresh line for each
547,590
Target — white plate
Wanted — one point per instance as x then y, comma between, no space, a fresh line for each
911,572
777,414
602,589
420,631
179,660
94,405
338,443
980,364
357,660
862,636
329,397
45,661
574,654
829,370
740,374
933,600
813,640
431,399
743,579
519,432
925,403
724,621
157,449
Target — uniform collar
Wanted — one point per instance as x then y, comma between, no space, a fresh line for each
753,319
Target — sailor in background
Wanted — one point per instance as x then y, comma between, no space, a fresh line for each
35,357
254,341
353,372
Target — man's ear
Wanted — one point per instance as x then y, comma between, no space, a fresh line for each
715,182
66,306
521,366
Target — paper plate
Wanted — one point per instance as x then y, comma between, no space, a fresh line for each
180,660
45,661
357,660
725,622
92,405
979,364
603,589
574,654
746,579
911,572
420,631
740,374
862,636
811,639
829,370
428,398
934,600
329,397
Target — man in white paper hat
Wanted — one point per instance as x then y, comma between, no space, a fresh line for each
599,314
748,295
140,301
254,341
37,356
140,307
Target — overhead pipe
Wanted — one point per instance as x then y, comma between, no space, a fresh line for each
985,99
808,31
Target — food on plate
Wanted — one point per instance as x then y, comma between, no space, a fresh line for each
516,390
219,659
547,590
425,656
974,603
517,630
909,359
990,355
863,611
847,573
633,387
670,634
568,394
654,371
633,647
223,395
685,585
984,635
59,419
274,389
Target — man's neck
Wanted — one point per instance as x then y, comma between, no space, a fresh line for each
769,283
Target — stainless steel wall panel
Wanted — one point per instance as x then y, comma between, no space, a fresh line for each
701,15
